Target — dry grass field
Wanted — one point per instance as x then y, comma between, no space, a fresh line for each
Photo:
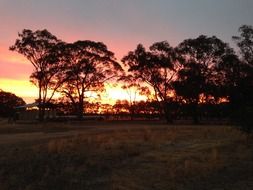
124,156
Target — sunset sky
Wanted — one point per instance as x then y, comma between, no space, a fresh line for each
120,24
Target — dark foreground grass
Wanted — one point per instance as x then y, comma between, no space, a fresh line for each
142,158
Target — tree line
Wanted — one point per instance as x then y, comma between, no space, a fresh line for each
200,71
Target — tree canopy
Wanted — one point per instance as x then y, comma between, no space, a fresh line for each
87,66
198,73
157,68
242,94
38,47
8,103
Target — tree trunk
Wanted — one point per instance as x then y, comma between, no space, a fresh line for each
80,110
195,114
168,112
131,110
41,106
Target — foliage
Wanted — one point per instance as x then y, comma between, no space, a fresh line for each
242,101
8,103
38,47
133,89
88,65
157,68
199,77
245,43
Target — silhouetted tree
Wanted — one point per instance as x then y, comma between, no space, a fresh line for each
38,48
157,68
199,76
133,89
87,66
92,108
147,108
8,103
245,43
121,107
243,94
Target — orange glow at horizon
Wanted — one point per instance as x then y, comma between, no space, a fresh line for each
29,92
116,93
21,88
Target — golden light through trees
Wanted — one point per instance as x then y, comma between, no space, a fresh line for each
28,91
199,72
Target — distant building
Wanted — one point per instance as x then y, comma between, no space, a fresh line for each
31,111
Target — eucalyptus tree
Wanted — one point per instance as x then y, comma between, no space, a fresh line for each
133,89
245,44
199,77
157,68
88,65
38,47
243,94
